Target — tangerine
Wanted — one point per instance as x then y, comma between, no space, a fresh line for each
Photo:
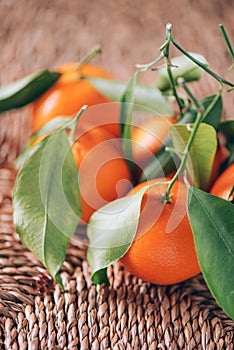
68,94
219,159
103,172
148,137
163,251
224,184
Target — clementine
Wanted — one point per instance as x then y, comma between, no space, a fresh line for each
104,174
224,184
148,137
219,159
163,250
69,94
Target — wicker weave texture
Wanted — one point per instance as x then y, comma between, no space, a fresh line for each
130,314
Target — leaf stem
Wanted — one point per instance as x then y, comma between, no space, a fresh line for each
147,66
229,46
166,52
74,124
89,56
166,197
200,116
182,82
173,85
202,65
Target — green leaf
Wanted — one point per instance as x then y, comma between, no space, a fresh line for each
146,97
230,159
46,200
127,102
202,152
227,128
212,221
229,45
111,231
182,67
26,90
213,117
55,123
126,120
49,127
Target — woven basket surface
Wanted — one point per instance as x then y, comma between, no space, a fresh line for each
130,314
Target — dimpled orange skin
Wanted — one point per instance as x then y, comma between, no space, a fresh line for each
223,185
69,94
148,137
104,174
163,251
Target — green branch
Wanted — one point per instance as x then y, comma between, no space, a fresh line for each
202,65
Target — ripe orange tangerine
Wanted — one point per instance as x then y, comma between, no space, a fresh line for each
224,184
220,157
68,94
163,251
103,172
148,138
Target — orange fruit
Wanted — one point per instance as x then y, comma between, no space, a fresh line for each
106,115
220,157
103,172
224,184
68,94
148,138
163,250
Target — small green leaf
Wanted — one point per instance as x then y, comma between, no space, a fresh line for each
111,231
202,151
26,90
146,97
46,200
182,67
214,116
212,221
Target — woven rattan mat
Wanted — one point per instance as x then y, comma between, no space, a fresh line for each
130,314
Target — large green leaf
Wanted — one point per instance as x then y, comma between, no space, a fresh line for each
202,151
26,89
146,97
46,200
212,221
111,230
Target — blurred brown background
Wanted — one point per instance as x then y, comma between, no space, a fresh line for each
46,33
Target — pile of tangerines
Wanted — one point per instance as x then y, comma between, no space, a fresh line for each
155,255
